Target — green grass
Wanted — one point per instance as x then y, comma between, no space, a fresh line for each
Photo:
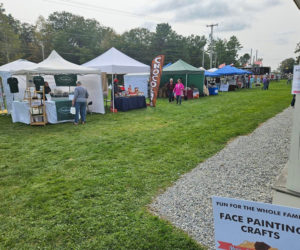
88,187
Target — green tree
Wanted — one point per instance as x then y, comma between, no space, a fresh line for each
232,47
77,38
167,42
225,51
244,59
195,47
297,51
137,44
220,49
10,44
287,65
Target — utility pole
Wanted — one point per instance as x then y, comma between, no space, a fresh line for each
203,57
43,52
250,57
256,55
211,41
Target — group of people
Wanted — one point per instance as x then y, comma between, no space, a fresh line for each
175,90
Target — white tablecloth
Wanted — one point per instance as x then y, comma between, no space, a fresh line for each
21,112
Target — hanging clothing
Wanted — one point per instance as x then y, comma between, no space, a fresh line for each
38,82
13,84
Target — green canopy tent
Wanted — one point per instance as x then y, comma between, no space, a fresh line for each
180,69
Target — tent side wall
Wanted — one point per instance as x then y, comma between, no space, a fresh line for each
8,95
93,84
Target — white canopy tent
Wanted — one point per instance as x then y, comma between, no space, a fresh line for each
114,61
6,72
55,65
212,70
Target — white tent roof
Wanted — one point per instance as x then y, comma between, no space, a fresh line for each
212,70
201,68
55,64
17,65
114,61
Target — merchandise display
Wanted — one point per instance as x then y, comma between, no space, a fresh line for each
130,102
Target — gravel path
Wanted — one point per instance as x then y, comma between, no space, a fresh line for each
246,168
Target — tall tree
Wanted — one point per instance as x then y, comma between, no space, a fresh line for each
10,44
244,59
195,47
232,47
297,51
137,44
166,41
79,39
287,65
220,49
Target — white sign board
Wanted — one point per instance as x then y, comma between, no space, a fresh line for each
245,225
224,87
296,80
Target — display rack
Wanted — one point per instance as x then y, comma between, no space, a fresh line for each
37,107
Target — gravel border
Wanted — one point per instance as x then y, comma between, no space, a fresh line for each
246,168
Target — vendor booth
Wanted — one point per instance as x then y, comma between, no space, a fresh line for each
11,93
61,76
192,77
115,62
139,80
227,84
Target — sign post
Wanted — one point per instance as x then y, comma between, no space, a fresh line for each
155,75
293,177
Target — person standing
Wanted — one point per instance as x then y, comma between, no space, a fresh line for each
79,101
289,80
265,83
268,81
251,81
47,90
178,90
170,88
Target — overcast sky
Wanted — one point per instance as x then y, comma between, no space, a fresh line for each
269,26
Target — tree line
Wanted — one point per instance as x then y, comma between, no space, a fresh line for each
79,39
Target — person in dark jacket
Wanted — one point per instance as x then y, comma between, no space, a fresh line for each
170,88
47,90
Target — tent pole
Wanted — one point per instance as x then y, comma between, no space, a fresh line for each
186,85
113,90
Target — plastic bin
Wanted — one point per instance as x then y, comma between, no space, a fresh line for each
213,91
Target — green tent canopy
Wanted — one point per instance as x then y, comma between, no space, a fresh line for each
181,67
191,76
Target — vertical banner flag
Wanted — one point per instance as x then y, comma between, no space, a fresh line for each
155,75
296,80
248,225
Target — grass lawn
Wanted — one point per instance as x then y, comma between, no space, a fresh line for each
88,187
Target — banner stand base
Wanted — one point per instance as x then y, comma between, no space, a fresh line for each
282,195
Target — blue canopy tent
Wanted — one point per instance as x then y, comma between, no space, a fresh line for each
167,65
210,74
229,70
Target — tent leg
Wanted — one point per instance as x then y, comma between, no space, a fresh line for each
113,91
186,85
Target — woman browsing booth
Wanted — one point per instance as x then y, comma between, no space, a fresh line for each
79,101
178,90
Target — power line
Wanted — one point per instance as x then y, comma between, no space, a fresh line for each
105,9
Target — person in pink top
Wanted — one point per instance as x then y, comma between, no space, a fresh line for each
178,90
